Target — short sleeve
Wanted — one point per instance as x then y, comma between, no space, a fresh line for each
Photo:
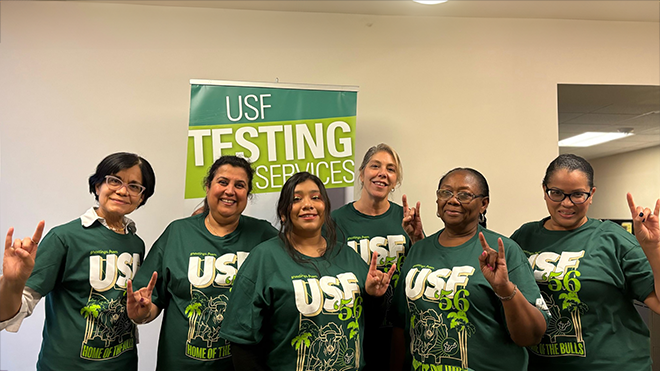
637,272
245,312
49,264
522,275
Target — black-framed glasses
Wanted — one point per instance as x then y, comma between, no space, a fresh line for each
462,196
115,184
557,195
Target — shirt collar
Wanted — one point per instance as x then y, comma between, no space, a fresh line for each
90,216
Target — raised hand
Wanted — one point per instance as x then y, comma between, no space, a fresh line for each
647,230
138,303
412,221
18,260
377,281
493,266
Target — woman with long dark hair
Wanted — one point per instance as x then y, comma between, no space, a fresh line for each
300,301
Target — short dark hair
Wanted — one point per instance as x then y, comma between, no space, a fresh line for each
481,183
231,160
116,162
285,204
569,162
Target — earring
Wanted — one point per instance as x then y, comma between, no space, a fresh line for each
392,190
437,213
482,217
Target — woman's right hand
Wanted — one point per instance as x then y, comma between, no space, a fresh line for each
138,303
18,260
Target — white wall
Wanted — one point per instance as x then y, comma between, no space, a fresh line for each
636,172
81,80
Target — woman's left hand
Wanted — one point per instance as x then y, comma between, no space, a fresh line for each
493,266
412,221
646,224
377,281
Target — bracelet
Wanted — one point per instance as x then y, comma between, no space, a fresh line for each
507,298
140,323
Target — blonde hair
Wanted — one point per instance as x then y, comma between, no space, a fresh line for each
382,147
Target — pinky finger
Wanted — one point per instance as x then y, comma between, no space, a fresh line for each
390,273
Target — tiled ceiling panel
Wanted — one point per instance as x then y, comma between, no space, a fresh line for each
632,108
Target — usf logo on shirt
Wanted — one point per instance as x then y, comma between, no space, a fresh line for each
559,272
436,334
329,327
389,248
108,331
207,273
206,269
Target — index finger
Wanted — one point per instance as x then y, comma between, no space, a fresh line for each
36,237
631,204
484,244
656,212
417,208
8,240
404,201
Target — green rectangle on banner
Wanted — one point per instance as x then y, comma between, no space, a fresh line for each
226,105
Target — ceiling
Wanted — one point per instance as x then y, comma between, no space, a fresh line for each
581,107
609,108
638,11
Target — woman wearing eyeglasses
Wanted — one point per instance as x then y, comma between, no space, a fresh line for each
82,269
459,303
589,273
196,260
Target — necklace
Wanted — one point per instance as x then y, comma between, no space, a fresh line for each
120,230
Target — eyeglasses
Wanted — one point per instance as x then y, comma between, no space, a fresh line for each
115,184
462,196
558,195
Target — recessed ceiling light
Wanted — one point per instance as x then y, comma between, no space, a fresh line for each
590,138
430,2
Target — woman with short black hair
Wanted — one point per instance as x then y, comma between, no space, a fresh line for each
460,303
589,272
82,269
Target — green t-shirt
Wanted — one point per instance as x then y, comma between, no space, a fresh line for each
82,272
452,318
196,270
307,317
589,277
384,235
